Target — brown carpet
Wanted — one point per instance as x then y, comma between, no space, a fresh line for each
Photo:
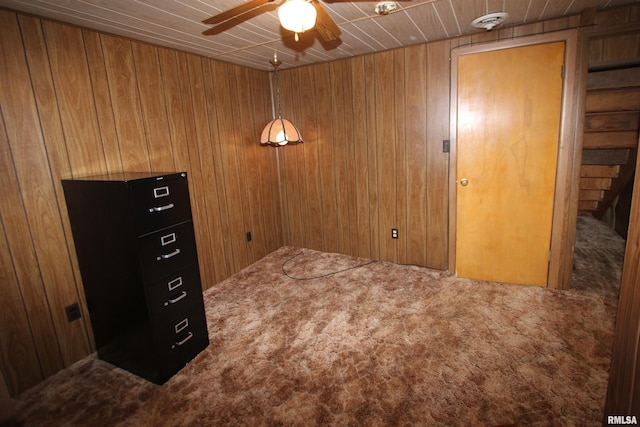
382,344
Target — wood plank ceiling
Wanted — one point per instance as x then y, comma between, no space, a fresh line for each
177,24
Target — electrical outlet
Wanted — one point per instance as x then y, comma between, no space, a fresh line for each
73,312
394,233
249,238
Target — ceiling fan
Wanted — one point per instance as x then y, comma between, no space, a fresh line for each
295,15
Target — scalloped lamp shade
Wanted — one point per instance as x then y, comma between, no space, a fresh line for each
280,132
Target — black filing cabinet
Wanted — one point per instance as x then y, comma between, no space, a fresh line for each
135,242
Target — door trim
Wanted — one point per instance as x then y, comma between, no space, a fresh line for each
569,149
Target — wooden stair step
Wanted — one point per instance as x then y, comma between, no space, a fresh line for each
605,157
614,100
595,183
591,195
587,205
599,171
625,139
607,121
626,77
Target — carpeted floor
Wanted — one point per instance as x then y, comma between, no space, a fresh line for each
379,344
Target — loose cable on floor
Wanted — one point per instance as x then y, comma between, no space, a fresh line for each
322,275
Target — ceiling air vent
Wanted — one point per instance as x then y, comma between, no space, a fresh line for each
489,21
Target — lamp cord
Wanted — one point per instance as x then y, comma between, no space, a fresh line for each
322,275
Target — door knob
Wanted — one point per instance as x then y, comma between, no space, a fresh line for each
464,182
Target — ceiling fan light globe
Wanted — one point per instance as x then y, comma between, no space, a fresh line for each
297,16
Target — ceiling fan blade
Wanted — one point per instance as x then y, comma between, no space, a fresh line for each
238,19
236,11
325,25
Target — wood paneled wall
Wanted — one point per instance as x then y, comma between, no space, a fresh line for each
366,166
623,393
372,157
615,40
76,102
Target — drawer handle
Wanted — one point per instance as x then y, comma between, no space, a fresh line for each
182,295
182,341
161,208
167,256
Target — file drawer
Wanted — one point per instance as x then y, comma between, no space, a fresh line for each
166,251
179,340
173,295
159,203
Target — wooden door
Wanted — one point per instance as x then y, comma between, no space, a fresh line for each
508,127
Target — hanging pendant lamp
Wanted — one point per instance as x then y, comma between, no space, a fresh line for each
280,131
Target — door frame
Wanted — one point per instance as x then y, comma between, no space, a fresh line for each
565,205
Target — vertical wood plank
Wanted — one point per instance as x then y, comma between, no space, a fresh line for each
400,91
361,163
617,48
297,103
314,232
385,124
242,216
291,158
102,100
175,112
125,101
527,29
416,164
326,160
342,181
154,110
286,163
248,157
596,51
237,254
200,167
350,163
437,161
372,159
219,144
216,207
